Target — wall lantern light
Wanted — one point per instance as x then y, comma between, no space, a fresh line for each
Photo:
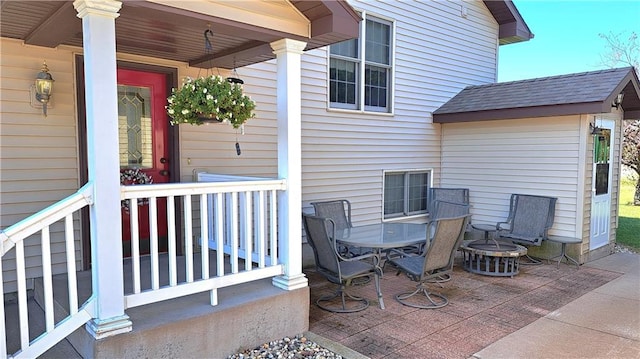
617,101
44,87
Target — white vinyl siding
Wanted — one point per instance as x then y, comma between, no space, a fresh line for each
437,53
539,156
38,155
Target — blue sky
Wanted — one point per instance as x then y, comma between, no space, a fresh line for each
566,36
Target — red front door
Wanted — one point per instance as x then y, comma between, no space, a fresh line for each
142,128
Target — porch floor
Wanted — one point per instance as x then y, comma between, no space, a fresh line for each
481,310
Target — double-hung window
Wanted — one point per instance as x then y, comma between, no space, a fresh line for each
405,193
363,82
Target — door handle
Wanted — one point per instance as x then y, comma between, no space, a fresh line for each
164,173
163,160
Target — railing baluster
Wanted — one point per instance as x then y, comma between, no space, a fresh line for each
171,240
204,235
71,264
135,245
47,278
23,313
259,203
273,230
248,231
153,242
234,232
219,235
188,237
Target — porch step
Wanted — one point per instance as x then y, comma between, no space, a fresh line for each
64,349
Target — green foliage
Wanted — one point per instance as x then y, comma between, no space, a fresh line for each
212,97
629,221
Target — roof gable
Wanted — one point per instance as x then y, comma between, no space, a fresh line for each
587,92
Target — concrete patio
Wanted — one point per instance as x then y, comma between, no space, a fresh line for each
542,312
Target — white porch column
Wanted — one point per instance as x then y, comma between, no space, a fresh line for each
98,30
289,162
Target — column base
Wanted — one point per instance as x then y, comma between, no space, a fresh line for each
291,283
108,327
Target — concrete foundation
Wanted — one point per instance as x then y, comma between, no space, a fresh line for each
247,315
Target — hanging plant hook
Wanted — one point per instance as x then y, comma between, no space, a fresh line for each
208,48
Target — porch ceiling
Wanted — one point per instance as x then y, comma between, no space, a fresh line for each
156,30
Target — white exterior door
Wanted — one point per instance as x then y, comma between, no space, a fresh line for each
601,184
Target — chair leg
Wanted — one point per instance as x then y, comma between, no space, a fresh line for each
435,300
530,260
357,303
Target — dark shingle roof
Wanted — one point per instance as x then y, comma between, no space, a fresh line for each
587,92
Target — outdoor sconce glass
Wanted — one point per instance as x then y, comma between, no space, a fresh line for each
618,100
44,87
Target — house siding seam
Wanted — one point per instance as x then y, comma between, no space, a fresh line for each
437,53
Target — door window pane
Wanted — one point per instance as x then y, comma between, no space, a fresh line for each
134,127
601,152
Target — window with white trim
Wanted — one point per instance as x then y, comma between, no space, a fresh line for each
405,193
348,68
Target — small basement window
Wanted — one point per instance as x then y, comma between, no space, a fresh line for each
405,193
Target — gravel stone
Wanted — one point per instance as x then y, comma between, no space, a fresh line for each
618,248
288,348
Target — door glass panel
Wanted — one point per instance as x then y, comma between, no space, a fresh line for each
601,150
134,127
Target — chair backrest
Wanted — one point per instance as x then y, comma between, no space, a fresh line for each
338,210
530,218
444,209
453,195
448,235
318,231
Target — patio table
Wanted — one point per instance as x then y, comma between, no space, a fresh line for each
382,236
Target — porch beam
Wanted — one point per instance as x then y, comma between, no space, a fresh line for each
98,32
288,53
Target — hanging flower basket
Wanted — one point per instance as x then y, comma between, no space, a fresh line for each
209,99
134,176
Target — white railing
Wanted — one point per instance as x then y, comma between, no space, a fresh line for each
13,250
237,219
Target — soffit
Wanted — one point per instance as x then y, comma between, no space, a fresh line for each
512,27
152,28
